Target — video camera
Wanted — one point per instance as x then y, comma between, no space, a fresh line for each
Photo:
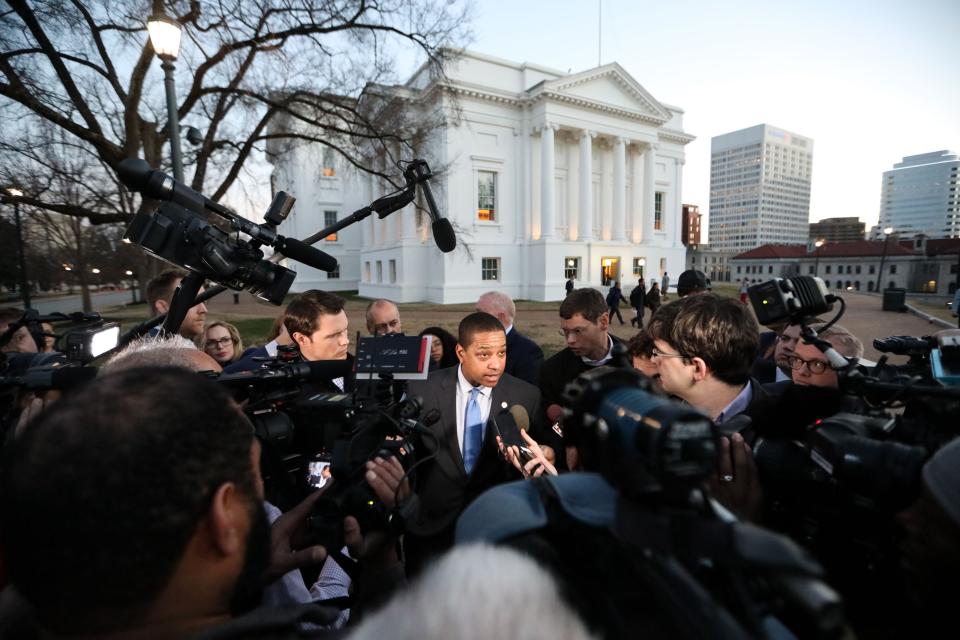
307,435
663,556
84,337
836,482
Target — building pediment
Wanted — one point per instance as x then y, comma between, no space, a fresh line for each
606,88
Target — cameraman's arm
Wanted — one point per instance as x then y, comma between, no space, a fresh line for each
380,571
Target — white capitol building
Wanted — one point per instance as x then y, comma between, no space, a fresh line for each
545,175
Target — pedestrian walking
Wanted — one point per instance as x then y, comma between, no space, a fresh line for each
613,301
637,298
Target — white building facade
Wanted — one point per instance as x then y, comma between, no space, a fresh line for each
545,176
920,196
759,188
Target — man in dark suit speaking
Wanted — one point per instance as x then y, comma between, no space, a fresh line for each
468,461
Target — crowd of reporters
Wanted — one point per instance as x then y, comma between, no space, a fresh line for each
134,506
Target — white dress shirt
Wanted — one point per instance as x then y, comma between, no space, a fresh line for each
463,396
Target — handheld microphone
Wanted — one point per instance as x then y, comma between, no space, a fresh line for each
520,414
442,230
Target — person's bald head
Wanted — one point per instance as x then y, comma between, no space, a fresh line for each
383,317
499,305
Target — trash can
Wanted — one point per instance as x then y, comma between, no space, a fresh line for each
894,299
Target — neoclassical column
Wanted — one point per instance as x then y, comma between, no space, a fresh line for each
571,225
586,185
649,189
619,190
547,180
678,212
636,197
522,137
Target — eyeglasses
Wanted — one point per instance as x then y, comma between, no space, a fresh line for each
656,353
576,332
213,344
815,366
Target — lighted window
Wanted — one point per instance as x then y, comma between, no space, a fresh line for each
329,158
330,218
486,196
638,266
571,268
658,211
490,268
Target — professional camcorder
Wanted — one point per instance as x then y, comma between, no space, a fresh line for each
308,436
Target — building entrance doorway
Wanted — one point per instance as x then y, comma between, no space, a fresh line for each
609,271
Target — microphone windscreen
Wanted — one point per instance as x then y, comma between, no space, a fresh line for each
521,416
310,256
134,173
443,235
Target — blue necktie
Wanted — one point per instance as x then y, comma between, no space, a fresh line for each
472,432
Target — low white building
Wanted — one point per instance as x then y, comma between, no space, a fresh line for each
545,175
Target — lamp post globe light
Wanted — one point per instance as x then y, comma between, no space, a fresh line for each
886,237
816,263
165,39
15,194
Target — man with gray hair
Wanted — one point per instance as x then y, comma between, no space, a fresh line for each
161,351
524,356
383,317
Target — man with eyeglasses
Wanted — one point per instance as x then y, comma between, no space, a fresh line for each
383,317
809,365
584,325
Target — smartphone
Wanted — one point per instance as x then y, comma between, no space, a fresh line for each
318,472
509,432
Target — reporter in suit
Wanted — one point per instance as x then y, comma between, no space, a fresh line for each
524,356
468,461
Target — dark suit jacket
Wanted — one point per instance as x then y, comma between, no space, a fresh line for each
524,357
442,485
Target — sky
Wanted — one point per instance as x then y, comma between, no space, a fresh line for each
870,82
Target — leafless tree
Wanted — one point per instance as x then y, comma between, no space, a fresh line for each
87,68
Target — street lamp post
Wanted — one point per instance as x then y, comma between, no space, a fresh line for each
133,286
816,262
15,195
165,38
886,237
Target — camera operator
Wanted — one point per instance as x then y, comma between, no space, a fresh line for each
318,325
20,341
160,291
168,538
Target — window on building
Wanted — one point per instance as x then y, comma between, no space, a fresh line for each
366,271
870,285
856,285
379,270
893,269
873,269
335,274
770,269
857,270
658,211
849,268
738,270
486,196
826,269
329,169
810,270
663,267
329,218
839,285
490,268
571,267
891,285
393,271
638,266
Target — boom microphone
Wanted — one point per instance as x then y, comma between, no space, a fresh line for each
442,230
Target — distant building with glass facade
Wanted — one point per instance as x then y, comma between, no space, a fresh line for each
759,188
919,196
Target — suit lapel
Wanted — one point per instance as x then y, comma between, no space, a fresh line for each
448,407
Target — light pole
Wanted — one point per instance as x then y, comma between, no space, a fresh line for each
886,236
816,262
133,285
165,38
15,195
